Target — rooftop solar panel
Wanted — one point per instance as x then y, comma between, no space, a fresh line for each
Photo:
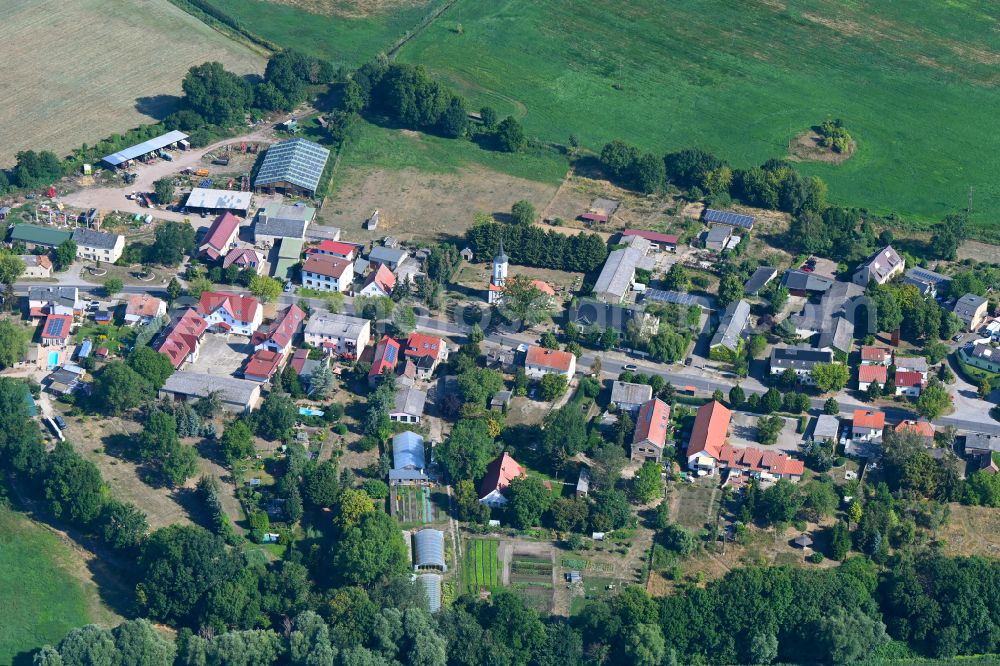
296,161
666,296
730,218
925,274
390,354
55,327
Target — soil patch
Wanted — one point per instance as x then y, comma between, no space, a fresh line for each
351,9
806,148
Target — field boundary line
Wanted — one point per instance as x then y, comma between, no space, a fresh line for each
422,25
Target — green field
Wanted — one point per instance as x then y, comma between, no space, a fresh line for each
915,83
347,37
40,598
480,566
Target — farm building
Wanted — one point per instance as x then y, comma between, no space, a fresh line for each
237,395
600,210
275,222
388,256
630,397
428,550
292,167
662,242
730,219
408,459
730,331
760,278
408,406
219,201
123,158
677,298
617,275
35,236
718,238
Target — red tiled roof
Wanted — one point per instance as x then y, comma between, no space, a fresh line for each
241,308
182,338
544,287
142,305
710,427
324,264
907,379
243,256
63,329
873,373
595,217
652,422
386,356
499,474
549,358
384,278
337,248
283,329
922,428
219,233
652,236
263,363
864,418
419,344
869,353
299,359
753,459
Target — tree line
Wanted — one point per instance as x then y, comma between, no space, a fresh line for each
531,246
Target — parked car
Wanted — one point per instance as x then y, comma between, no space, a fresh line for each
958,338
59,422
688,361
631,367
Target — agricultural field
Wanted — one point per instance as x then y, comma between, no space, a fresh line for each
87,69
481,568
46,587
915,83
531,578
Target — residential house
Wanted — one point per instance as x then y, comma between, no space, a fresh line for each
760,279
233,313
729,334
985,356
244,258
827,428
800,359
586,314
718,237
327,273
65,380
539,361
651,426
408,466
275,222
391,257
499,474
708,436
659,242
426,352
880,268
262,365
921,428
34,236
384,360
867,374
909,383
742,464
140,309
56,330
408,406
98,245
805,283
630,397
971,309
237,395
875,355
305,367
380,282
36,266
53,300
981,444
182,340
338,334
279,334
337,249
867,425
926,281
911,364
219,238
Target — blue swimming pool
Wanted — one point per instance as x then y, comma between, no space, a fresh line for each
305,411
53,359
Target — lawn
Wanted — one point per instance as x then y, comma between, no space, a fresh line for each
915,83
480,566
102,335
41,594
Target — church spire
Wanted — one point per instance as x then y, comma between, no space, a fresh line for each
502,257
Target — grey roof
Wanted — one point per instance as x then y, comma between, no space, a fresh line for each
410,401
759,279
428,549
201,197
630,393
984,352
618,272
827,427
678,298
586,313
63,296
803,281
361,266
729,218
719,234
924,279
882,263
407,475
799,358
29,260
148,146
338,325
838,334
914,363
583,482
432,586
297,161
284,221
501,257
982,441
199,385
733,323
408,451
320,232
607,205
966,306
387,255
90,238
500,398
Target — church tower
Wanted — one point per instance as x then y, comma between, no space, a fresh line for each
499,276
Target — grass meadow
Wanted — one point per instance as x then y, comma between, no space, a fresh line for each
915,83
41,593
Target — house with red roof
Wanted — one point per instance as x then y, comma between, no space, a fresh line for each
379,282
327,273
244,258
335,249
140,309
651,427
868,425
868,374
921,428
56,329
661,241
745,463
220,236
875,355
426,352
499,474
183,339
909,383
708,436
385,359
235,313
540,361
279,334
262,365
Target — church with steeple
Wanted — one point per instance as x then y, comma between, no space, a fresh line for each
498,277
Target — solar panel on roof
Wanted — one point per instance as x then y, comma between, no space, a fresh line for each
55,327
296,161
666,296
730,218
390,354
924,274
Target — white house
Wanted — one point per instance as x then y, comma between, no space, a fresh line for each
338,334
881,267
540,361
380,282
327,273
868,425
233,313
97,245
53,300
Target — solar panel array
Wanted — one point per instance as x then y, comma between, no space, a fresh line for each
730,218
390,353
296,161
666,296
927,276
55,327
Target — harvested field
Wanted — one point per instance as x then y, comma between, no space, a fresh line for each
87,69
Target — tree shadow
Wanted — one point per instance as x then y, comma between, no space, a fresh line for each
589,166
157,106
121,446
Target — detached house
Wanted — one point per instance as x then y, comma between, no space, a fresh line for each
98,245
244,258
729,334
380,282
36,266
426,352
540,361
911,364
279,334
868,425
220,236
56,330
263,365
140,309
499,474
708,436
229,312
921,428
971,309
327,273
880,268
651,426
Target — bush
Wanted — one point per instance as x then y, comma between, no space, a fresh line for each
816,557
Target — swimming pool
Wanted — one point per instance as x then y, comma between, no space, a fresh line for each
53,359
305,411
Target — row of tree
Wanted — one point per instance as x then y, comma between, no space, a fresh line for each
532,246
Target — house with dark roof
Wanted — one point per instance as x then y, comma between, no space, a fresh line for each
391,257
586,313
244,258
729,334
651,427
630,397
708,436
408,406
760,279
275,222
98,245
880,267
233,313
182,340
279,334
327,273
292,167
926,281
53,300
499,474
985,356
220,236
803,283
971,309
800,359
